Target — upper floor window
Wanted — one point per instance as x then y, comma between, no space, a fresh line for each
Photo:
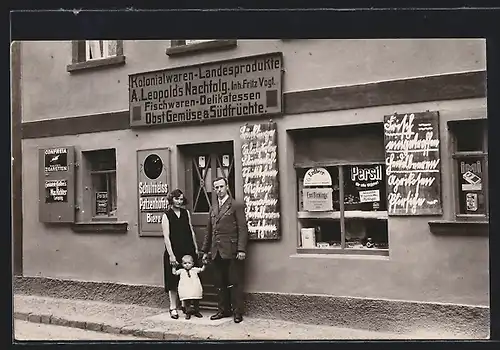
99,49
192,42
88,54
179,47
470,157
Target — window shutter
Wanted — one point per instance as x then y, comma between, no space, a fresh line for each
57,184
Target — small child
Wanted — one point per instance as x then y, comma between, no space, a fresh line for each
190,289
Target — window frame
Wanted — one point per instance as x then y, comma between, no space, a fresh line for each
88,156
80,62
341,215
455,155
179,47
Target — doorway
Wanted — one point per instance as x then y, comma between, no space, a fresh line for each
203,164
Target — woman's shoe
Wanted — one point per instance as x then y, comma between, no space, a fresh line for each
174,314
197,314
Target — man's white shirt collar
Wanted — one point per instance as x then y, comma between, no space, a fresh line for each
223,200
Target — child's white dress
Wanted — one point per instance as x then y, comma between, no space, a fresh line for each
189,284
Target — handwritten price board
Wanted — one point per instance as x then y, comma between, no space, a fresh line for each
413,164
260,180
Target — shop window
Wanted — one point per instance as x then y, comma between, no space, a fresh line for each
96,53
470,157
344,211
102,170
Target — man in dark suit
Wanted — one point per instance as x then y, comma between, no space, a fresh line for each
226,242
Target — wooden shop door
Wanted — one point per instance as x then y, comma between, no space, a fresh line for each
204,163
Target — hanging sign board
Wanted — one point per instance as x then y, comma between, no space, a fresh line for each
153,187
260,180
413,164
242,87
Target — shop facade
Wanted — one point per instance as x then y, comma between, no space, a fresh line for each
362,164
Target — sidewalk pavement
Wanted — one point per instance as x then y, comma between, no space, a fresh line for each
156,324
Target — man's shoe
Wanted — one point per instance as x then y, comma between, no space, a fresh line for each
219,315
238,318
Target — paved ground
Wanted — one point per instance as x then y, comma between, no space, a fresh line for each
156,324
25,330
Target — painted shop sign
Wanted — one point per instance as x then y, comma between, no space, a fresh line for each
56,191
56,179
413,166
242,87
152,188
56,159
260,180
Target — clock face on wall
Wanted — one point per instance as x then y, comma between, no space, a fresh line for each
153,166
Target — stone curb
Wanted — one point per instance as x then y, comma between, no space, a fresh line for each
102,327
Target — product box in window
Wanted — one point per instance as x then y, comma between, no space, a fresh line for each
308,237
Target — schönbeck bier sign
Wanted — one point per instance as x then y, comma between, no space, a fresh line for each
242,87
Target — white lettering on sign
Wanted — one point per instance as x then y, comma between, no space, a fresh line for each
153,188
412,163
56,151
260,185
153,218
243,87
366,173
153,203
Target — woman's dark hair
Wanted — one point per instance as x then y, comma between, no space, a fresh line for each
176,194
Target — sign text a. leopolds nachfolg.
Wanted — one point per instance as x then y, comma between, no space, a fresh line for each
234,88
413,163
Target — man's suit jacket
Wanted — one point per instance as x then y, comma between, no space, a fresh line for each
227,230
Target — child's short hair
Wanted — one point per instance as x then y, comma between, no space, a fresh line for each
187,257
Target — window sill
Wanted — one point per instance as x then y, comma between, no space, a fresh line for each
96,64
335,215
104,219
459,228
100,227
205,46
338,251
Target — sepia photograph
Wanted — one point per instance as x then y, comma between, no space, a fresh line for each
250,189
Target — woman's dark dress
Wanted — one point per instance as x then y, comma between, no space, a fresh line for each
182,243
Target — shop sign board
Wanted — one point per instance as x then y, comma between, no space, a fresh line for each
317,177
261,180
57,184
153,186
413,163
318,199
242,87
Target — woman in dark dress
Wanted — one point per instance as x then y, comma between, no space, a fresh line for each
180,240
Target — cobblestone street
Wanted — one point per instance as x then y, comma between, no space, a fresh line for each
24,330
